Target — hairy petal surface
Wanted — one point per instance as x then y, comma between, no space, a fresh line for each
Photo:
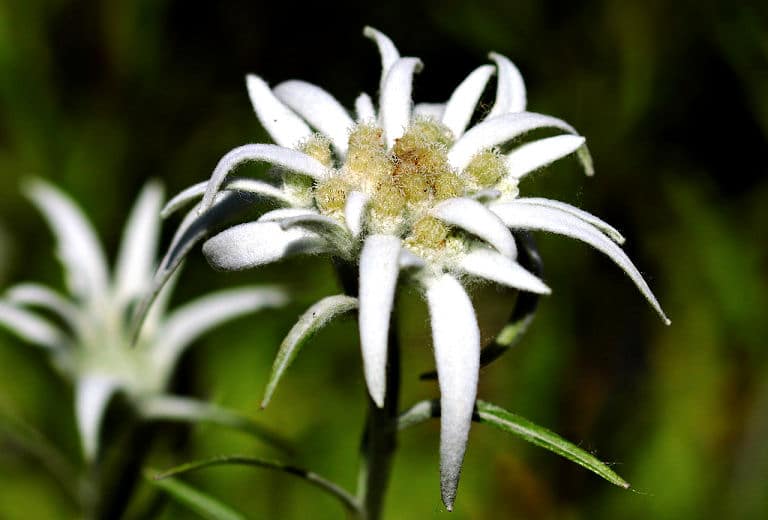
500,129
387,50
364,108
136,258
456,338
78,248
354,212
498,268
279,156
510,90
462,103
530,157
472,216
319,108
429,110
258,243
395,100
379,269
283,125
527,216
589,218
250,186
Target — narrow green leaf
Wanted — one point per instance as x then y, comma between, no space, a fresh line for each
347,500
186,409
511,423
315,318
201,503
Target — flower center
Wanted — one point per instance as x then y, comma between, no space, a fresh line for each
403,183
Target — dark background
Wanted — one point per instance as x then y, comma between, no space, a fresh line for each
98,97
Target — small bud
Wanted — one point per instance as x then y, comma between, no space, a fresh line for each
318,147
486,168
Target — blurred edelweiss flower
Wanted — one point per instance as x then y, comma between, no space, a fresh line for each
405,189
89,338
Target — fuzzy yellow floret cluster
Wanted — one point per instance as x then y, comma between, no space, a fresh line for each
403,183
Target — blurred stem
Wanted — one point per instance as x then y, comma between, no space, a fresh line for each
379,440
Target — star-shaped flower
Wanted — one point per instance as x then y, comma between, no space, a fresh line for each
406,193
89,338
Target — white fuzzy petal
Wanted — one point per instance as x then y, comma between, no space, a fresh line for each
589,218
387,50
36,295
92,395
527,216
378,280
269,153
136,259
189,322
31,327
530,157
319,108
78,248
258,243
251,186
354,212
283,125
283,213
395,100
510,91
409,260
493,132
456,338
364,108
463,101
472,216
498,268
431,110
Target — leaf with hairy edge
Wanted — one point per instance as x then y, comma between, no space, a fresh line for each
315,318
186,409
511,423
348,501
201,503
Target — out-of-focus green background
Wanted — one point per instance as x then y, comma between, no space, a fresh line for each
673,99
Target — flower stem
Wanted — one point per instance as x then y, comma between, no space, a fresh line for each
379,441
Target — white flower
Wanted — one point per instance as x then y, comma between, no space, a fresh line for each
406,191
90,338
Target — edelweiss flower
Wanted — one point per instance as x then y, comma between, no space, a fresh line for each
410,192
91,342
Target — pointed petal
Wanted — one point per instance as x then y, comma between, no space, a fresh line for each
530,157
136,258
257,243
510,90
286,128
354,212
31,327
498,268
378,280
387,49
189,322
431,110
314,319
496,131
364,108
270,153
284,213
319,108
395,100
36,295
194,228
472,216
92,395
251,186
78,248
463,101
589,218
526,216
456,338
